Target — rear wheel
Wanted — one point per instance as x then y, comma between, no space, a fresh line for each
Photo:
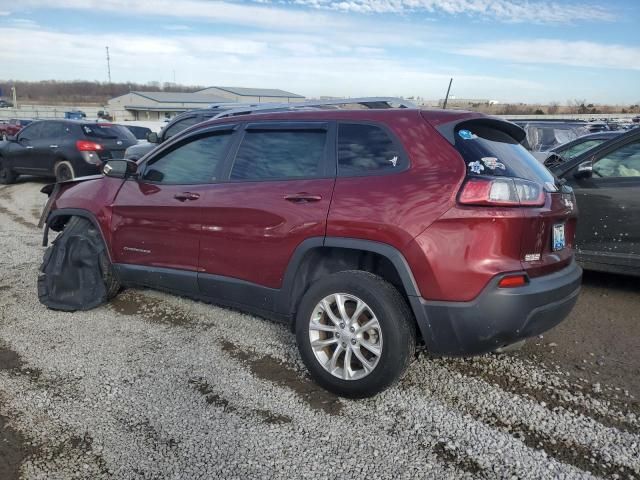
355,333
64,171
7,175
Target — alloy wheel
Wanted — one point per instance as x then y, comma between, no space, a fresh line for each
345,335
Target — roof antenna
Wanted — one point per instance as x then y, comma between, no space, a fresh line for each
444,105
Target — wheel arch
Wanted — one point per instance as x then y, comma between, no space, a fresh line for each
57,220
319,256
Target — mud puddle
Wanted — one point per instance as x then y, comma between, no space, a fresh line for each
152,309
215,399
269,368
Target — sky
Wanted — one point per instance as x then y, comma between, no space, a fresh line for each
504,50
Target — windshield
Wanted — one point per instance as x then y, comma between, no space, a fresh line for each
106,131
490,151
579,148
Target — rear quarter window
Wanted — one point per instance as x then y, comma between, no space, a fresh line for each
488,150
365,149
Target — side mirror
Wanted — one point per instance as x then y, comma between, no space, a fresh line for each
152,137
120,168
584,170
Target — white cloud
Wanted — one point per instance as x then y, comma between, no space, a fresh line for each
213,59
543,51
4,13
516,11
177,28
21,23
264,16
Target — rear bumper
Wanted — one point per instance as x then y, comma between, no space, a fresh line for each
498,316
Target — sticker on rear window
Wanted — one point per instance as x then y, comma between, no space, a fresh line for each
492,163
467,135
476,167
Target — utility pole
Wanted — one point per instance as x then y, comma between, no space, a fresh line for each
108,65
15,97
444,105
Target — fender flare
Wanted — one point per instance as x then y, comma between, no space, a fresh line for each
74,212
284,302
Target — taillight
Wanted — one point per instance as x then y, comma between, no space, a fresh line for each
513,281
502,192
86,146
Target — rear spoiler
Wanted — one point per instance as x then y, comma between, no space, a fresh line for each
448,130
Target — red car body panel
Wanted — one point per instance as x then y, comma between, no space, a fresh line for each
394,209
151,227
250,230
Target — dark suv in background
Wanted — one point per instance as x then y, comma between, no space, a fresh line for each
366,230
63,149
175,126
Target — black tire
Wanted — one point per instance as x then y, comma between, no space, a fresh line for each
7,176
79,227
63,171
397,328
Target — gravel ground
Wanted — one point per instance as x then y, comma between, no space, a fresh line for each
157,386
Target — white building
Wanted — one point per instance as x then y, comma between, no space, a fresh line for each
157,105
253,95
160,105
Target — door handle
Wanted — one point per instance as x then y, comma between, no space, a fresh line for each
29,147
302,198
186,196
53,146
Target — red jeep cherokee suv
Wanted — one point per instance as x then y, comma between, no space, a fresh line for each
366,230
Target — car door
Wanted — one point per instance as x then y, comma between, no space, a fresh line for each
281,180
608,229
157,218
21,151
47,146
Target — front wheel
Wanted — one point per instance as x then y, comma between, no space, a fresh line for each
355,333
76,273
7,176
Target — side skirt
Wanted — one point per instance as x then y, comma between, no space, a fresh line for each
223,291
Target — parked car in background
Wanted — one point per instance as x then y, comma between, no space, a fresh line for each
12,127
543,135
5,104
63,149
362,229
606,182
140,133
75,115
177,125
572,149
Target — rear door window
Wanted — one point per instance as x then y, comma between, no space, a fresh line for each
488,150
279,154
367,149
53,130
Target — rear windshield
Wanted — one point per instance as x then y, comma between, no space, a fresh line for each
107,131
489,151
139,132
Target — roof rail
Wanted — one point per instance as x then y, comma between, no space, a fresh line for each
367,102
